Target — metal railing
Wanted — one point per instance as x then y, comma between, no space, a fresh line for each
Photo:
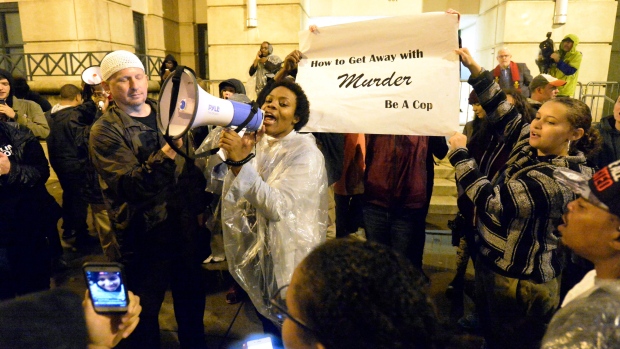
600,96
30,65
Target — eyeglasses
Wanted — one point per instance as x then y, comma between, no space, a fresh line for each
280,310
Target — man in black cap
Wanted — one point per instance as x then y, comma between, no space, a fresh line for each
592,230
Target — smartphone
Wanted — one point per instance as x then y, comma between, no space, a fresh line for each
106,286
262,343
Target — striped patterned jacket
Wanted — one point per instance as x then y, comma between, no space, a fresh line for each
518,212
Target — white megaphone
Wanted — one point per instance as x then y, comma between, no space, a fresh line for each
194,107
92,75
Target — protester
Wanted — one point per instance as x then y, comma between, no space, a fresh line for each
349,189
543,88
462,227
59,319
274,207
95,104
395,193
20,111
567,62
28,213
155,200
516,215
23,91
515,98
589,315
609,127
352,294
68,165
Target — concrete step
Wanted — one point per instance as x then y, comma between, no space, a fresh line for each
444,187
444,170
443,204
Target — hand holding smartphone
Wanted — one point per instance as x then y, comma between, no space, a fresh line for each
106,286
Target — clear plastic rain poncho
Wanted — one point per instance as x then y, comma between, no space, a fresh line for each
274,212
591,322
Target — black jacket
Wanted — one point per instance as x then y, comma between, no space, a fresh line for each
26,208
63,152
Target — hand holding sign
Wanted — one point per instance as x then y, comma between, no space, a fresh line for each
458,140
363,78
469,62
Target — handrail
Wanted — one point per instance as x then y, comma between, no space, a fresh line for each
600,96
30,65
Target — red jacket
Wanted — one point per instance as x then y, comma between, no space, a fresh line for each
396,171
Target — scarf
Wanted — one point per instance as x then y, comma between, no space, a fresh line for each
514,71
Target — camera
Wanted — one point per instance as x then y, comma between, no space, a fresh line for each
106,286
544,60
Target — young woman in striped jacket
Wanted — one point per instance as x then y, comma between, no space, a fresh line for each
518,263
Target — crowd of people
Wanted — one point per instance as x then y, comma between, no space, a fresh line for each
269,199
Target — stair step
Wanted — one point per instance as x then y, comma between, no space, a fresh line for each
443,204
444,171
444,187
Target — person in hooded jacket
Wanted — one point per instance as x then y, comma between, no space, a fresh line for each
167,66
27,211
609,128
20,111
23,91
567,61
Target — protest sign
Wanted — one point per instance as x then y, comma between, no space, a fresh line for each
397,75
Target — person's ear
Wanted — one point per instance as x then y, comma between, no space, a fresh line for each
577,134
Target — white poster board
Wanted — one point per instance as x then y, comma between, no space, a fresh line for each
397,75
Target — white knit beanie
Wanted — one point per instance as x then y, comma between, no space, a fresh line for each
117,61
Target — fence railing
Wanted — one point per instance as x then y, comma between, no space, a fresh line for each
601,97
31,65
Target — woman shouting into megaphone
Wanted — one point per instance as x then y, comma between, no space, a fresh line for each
274,205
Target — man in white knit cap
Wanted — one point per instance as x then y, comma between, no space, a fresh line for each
153,202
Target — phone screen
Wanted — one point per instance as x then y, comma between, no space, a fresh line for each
106,285
262,343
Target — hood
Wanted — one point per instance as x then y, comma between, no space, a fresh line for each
238,85
5,74
171,59
575,40
163,64
58,107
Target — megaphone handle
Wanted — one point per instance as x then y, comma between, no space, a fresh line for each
222,153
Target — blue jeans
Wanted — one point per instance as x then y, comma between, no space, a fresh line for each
403,229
